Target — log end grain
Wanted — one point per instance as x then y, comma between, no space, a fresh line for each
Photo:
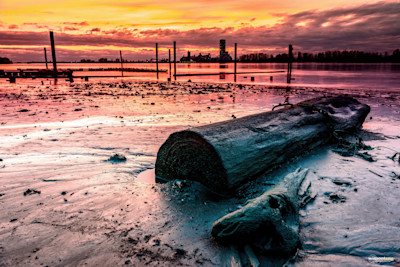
186,155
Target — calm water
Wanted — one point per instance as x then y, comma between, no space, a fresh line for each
338,75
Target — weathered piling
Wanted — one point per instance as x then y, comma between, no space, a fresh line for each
169,62
45,58
175,60
235,61
290,60
53,54
157,59
224,155
122,66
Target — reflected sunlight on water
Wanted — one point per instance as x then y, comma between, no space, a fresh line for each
338,75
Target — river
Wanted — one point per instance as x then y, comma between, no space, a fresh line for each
323,75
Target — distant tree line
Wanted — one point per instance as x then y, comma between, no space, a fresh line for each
344,56
117,60
104,60
4,60
328,56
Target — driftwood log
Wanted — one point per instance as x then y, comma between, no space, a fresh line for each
224,155
269,222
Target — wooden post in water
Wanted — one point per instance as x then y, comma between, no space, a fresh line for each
45,58
157,59
290,59
175,60
169,61
53,54
122,66
235,61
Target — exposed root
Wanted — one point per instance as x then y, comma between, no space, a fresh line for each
349,144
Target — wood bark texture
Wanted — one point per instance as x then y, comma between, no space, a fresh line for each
224,155
269,222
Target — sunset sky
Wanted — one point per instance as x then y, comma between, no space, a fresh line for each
99,28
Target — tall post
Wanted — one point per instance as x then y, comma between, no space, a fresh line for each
235,61
53,54
45,58
122,66
169,61
175,60
290,59
157,59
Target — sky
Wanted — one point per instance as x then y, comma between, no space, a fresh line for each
92,29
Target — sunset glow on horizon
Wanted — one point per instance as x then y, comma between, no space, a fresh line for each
93,29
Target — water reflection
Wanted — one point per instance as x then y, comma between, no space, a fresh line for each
338,75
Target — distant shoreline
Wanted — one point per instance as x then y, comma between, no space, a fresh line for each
71,62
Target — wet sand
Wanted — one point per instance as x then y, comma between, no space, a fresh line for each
83,209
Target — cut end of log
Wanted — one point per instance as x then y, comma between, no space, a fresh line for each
186,155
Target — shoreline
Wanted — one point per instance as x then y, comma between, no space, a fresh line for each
92,211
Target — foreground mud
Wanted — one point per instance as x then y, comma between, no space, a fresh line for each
83,209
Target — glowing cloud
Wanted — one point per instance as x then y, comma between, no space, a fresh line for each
89,28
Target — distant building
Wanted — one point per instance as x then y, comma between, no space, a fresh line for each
222,45
199,58
223,55
188,58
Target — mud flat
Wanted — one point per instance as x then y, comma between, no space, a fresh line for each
85,209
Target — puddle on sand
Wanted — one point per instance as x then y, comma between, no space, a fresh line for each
147,176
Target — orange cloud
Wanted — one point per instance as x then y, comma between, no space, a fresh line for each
309,31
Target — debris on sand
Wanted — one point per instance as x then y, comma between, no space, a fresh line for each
31,192
180,252
394,157
349,145
117,158
180,184
339,181
24,110
335,198
307,197
366,156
